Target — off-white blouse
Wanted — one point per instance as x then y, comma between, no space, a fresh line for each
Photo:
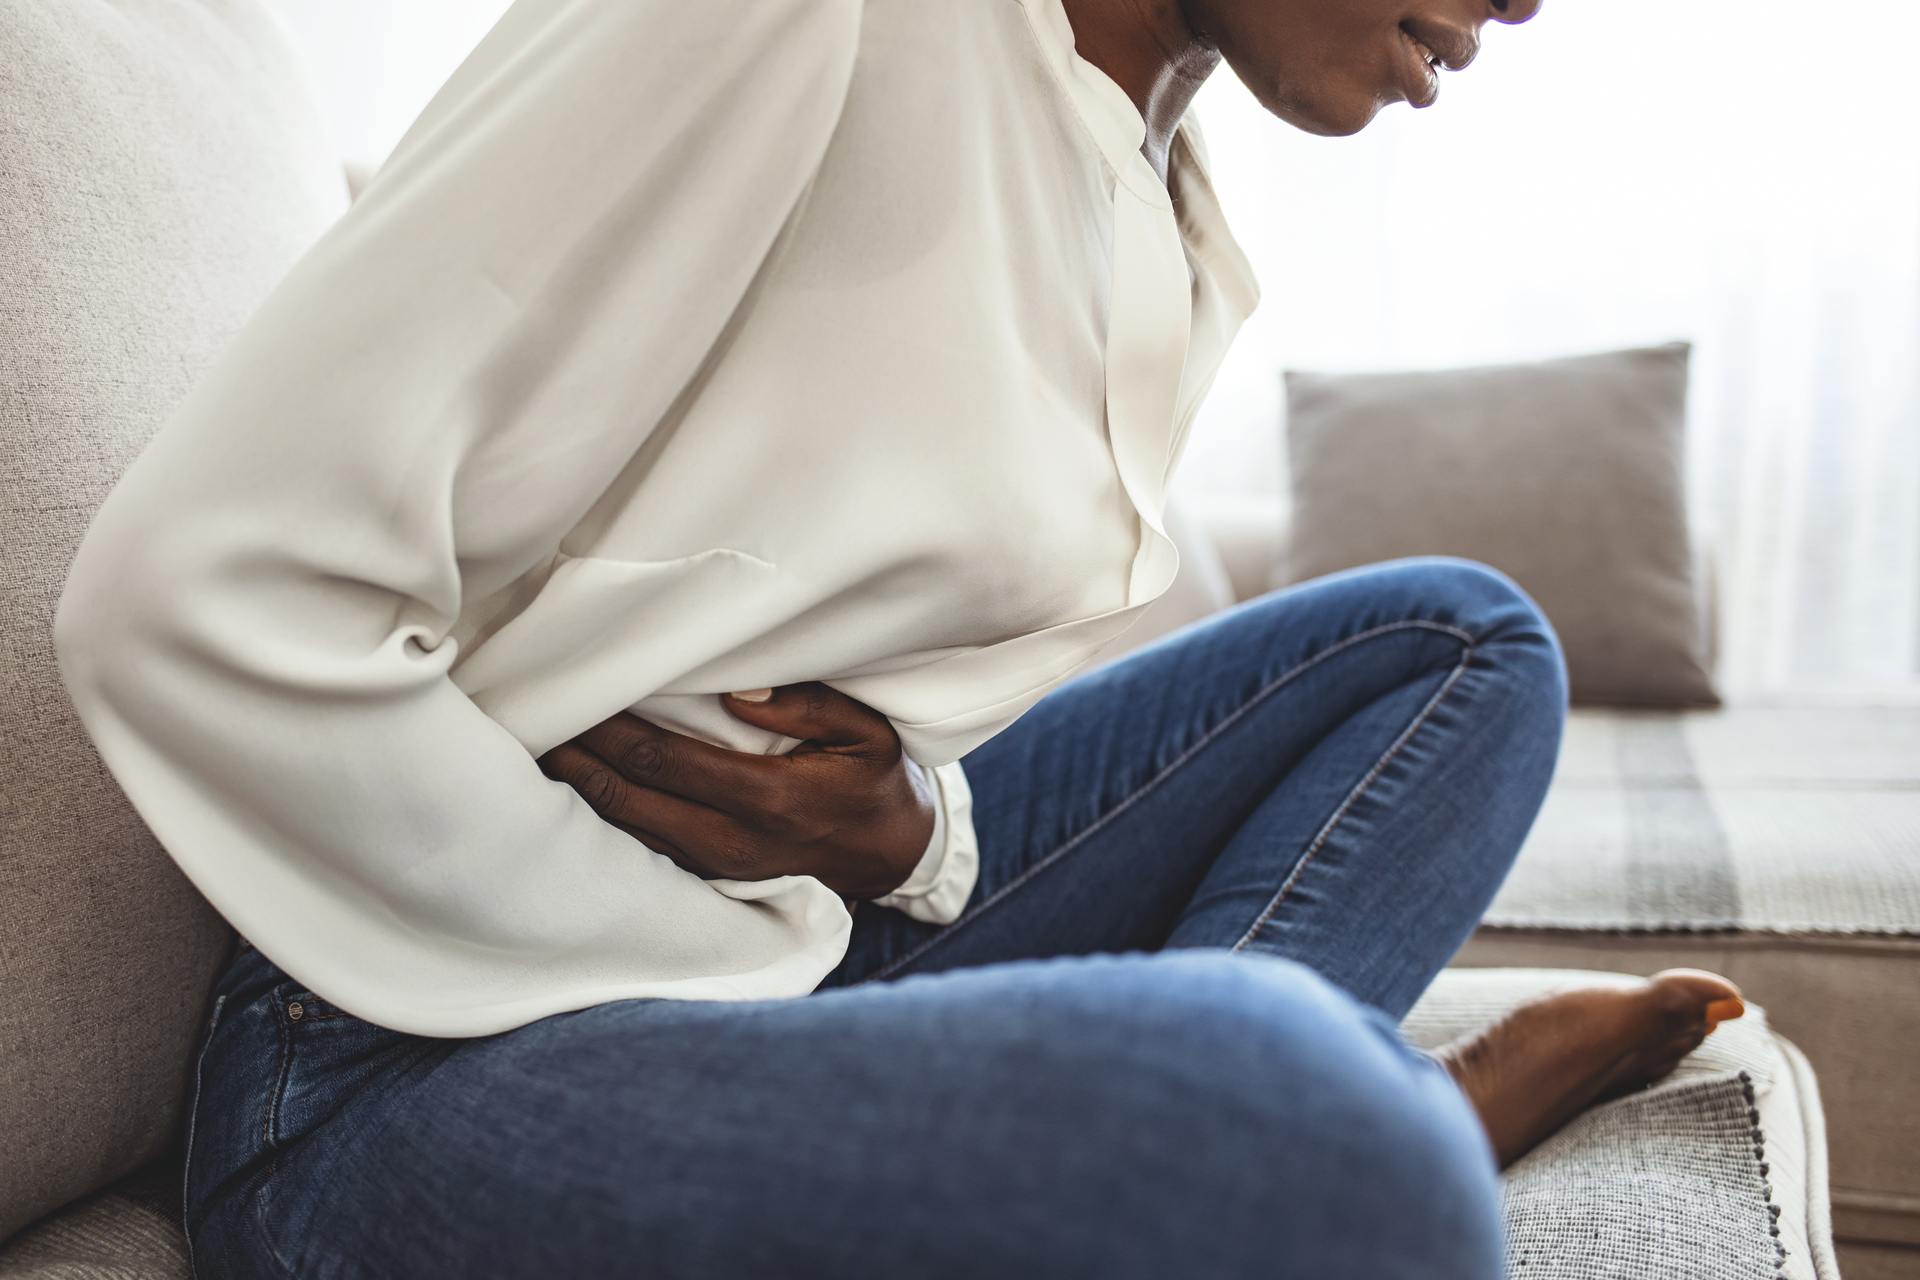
678,348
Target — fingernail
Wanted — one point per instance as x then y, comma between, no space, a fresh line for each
1725,1010
753,695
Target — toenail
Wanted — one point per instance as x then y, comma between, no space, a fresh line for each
1724,1010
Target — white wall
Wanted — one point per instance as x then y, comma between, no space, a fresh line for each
376,63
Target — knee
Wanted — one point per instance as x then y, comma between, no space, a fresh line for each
1510,630
1287,1120
1406,1176
1485,602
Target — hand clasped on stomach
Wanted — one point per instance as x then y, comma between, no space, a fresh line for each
846,805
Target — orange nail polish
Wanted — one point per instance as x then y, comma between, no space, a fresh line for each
1724,1010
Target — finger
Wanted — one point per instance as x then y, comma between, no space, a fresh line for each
650,755
611,796
817,712
700,839
697,837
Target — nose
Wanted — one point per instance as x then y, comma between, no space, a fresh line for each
1513,11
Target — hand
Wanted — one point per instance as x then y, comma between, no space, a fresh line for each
845,806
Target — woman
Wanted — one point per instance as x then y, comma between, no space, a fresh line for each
606,636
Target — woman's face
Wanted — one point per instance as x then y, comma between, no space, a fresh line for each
1327,66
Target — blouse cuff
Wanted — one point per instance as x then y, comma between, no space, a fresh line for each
940,885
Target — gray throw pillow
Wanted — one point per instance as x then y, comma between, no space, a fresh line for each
1568,474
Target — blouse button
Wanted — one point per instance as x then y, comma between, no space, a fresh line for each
294,1011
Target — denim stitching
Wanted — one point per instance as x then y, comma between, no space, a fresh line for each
266,1236
1258,696
1353,796
278,998
280,1081
193,1115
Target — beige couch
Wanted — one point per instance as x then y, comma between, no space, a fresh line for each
160,166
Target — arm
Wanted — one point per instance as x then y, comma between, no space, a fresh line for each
255,628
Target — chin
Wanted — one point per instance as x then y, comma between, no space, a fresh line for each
1343,124
1329,106
1330,118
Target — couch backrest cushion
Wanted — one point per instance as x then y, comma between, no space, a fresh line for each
162,164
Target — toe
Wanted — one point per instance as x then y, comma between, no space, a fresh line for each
1699,993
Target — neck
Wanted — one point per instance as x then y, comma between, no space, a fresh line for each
1148,49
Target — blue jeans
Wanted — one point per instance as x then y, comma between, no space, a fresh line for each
1161,1041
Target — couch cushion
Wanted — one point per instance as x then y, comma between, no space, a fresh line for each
1779,845
1568,474
1244,529
1776,818
160,168
1690,1177
129,1231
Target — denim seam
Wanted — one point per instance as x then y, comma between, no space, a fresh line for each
266,1236
1258,696
280,1079
193,1116
1352,798
276,998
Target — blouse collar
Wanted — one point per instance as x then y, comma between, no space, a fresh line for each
1119,131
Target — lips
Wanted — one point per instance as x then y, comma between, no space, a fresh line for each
1419,82
1426,46
1455,46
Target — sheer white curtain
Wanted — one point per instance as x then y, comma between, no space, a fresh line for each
1741,173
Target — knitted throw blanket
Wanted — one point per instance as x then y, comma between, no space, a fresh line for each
1668,1182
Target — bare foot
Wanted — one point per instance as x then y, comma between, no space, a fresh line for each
1546,1062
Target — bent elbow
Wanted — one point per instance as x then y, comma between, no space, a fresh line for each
105,610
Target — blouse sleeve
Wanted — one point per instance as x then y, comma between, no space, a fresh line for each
938,888
255,630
